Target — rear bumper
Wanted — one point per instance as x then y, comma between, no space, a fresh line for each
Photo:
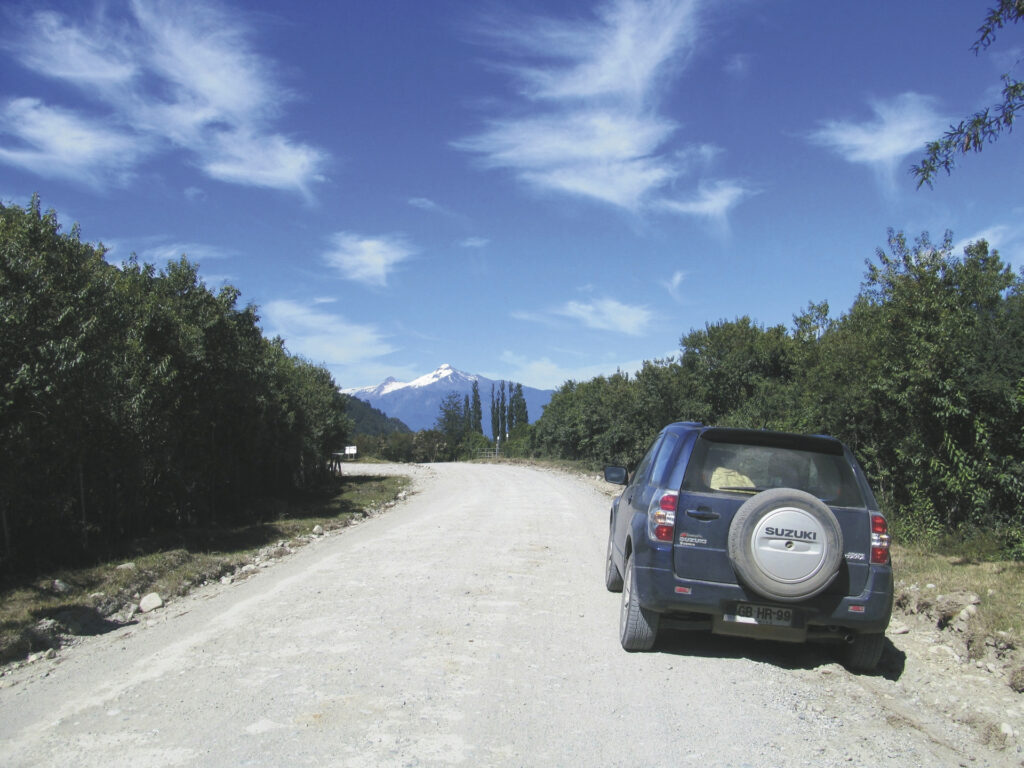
660,591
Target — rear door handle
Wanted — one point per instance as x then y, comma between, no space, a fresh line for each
702,514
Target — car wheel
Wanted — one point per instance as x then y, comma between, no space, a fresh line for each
785,544
638,627
864,652
612,577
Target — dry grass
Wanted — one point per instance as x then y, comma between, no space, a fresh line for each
172,565
999,583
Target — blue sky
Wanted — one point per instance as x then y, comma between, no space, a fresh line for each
533,191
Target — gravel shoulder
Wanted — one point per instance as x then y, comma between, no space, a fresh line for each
469,625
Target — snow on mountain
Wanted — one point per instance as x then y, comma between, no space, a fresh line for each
418,402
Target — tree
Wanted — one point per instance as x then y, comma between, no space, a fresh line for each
737,372
947,341
982,127
495,419
477,410
452,423
517,412
502,411
133,401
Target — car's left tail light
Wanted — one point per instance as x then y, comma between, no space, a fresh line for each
661,515
880,540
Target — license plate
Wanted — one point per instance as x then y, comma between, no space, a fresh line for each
769,615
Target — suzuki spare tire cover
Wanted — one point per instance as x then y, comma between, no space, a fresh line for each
785,544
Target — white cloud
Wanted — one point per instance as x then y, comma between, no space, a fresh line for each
902,126
738,65
713,201
608,315
602,154
262,161
584,137
621,54
1008,239
367,259
673,284
59,143
197,253
474,242
179,74
425,204
326,339
543,373
592,128
79,55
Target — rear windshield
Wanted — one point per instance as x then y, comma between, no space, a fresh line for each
747,469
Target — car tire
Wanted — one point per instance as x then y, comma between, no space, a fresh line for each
785,544
864,652
612,577
638,627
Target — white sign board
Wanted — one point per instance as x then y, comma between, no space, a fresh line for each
350,450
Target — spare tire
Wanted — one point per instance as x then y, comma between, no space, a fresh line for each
785,544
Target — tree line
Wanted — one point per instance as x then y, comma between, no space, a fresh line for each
134,400
923,377
458,431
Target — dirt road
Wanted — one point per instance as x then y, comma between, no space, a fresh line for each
467,626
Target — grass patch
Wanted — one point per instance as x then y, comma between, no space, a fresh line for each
173,564
999,583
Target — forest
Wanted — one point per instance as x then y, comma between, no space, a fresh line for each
134,400
923,377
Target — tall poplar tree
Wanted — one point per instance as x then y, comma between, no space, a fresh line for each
476,413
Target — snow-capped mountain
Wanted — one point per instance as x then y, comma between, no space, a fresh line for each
418,402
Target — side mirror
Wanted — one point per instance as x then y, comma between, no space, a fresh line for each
617,475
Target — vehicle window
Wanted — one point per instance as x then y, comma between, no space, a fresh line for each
640,474
748,469
661,462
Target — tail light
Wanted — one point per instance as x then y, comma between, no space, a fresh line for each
880,540
661,515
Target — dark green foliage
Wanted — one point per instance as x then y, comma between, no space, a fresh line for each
495,421
454,422
517,413
477,410
133,401
367,420
923,378
457,427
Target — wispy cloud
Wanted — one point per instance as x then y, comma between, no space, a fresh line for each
367,259
901,126
608,315
57,143
326,338
713,201
474,242
673,284
166,75
543,373
1008,239
591,127
159,250
52,46
199,253
738,65
426,204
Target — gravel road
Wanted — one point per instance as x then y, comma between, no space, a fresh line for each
469,625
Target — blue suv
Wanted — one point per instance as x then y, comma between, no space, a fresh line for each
750,533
